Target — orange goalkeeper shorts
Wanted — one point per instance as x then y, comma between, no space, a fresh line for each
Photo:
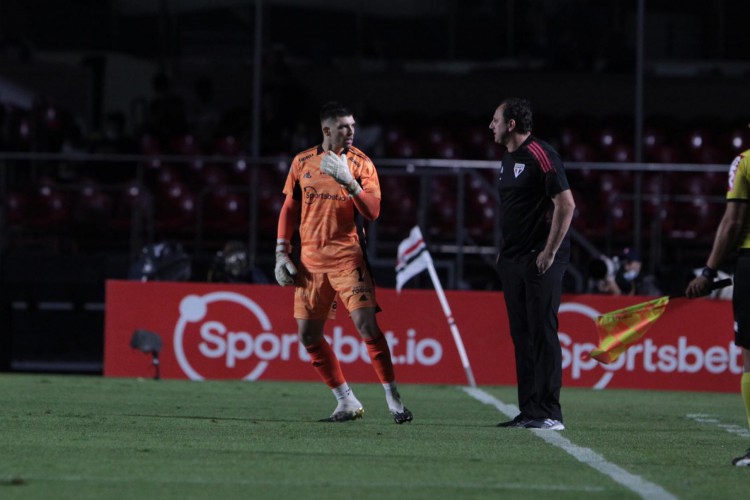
315,293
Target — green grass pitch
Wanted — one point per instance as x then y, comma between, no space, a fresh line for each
86,437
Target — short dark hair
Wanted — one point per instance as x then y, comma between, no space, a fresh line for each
333,110
519,110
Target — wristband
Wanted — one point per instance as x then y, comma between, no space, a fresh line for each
709,273
283,246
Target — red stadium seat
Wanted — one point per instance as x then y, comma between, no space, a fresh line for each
403,148
700,147
227,210
49,205
607,138
445,149
186,145
16,205
580,151
94,206
228,146
663,153
736,140
621,153
620,217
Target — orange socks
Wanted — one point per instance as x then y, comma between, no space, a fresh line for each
380,355
326,363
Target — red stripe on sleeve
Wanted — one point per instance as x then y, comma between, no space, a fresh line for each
541,157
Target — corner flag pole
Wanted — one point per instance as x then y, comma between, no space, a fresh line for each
451,322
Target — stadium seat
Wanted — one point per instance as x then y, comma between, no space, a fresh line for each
49,206
228,146
693,219
620,218
213,175
579,151
402,148
699,144
663,153
621,153
186,145
436,134
607,138
476,137
492,151
226,210
16,205
568,136
653,137
614,183
94,205
736,140
656,184
442,215
445,149
175,211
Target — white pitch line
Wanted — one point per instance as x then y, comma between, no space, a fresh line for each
712,420
587,456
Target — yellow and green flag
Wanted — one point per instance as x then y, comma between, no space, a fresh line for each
619,329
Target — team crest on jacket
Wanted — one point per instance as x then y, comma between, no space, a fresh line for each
518,168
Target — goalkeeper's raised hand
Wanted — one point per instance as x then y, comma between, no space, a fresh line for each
285,269
337,167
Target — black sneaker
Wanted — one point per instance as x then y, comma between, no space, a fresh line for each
518,421
743,461
549,424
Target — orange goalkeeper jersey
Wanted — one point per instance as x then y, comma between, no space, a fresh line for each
327,228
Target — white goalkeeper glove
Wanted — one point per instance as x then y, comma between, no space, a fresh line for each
337,167
285,269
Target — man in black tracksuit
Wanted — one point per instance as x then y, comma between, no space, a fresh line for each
537,207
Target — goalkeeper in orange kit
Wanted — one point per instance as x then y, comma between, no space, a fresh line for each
326,186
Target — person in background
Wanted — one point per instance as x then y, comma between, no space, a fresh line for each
326,186
602,271
628,273
537,207
232,264
733,234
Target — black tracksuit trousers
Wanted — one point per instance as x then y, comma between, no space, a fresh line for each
532,301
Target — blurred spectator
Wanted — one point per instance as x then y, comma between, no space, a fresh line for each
602,272
164,261
620,275
233,264
629,277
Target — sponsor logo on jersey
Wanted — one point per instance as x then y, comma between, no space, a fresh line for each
311,194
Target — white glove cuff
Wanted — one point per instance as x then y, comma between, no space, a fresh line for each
354,188
283,246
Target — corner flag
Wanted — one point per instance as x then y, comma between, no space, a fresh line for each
413,258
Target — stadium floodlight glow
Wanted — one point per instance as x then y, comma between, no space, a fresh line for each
148,342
